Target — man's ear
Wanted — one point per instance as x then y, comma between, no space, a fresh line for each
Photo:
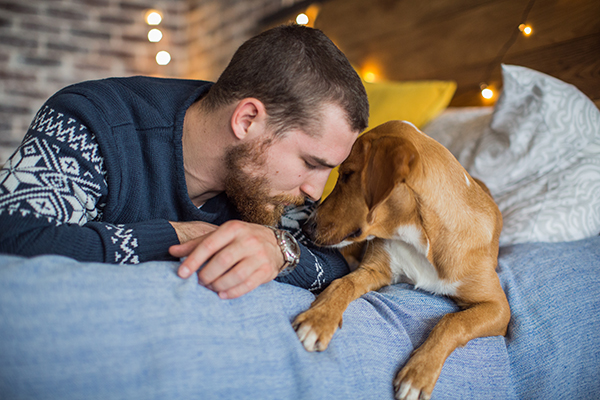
389,162
248,113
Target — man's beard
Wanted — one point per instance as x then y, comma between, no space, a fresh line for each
248,191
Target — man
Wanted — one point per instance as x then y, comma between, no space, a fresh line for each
126,170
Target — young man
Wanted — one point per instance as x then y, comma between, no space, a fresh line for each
126,170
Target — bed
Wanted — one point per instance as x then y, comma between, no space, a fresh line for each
71,330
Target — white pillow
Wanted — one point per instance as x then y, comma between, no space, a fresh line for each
460,129
540,158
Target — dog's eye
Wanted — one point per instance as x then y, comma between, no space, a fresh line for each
356,233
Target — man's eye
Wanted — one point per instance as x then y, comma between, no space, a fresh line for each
309,165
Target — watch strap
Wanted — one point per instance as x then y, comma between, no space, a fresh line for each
290,249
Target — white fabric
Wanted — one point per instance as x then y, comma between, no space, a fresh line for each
539,156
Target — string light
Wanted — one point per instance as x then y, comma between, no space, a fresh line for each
153,17
523,28
309,16
369,77
163,57
302,19
526,29
486,92
155,35
370,71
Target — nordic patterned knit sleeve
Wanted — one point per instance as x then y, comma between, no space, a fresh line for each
318,266
52,193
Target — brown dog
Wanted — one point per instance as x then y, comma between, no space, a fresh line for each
424,220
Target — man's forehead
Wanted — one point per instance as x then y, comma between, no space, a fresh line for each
329,150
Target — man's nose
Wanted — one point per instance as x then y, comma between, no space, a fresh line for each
314,185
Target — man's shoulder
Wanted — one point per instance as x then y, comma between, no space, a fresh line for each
137,83
147,89
145,100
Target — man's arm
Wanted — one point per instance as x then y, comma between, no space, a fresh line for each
52,192
237,257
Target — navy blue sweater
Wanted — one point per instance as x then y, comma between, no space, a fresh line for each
100,173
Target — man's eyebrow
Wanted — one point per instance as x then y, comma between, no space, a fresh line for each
321,162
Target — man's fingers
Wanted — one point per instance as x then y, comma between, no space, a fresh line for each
235,276
227,259
184,249
247,271
256,279
208,246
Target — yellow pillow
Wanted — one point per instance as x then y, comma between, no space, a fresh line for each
415,101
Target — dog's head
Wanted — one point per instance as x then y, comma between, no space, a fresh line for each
372,182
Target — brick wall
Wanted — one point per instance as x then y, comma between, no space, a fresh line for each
48,44
217,28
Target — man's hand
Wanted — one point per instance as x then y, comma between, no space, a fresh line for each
189,230
238,257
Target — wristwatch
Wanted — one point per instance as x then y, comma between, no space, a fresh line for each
289,248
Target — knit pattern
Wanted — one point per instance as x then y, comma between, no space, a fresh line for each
58,175
44,180
125,244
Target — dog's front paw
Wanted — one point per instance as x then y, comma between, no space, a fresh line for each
315,328
417,379
406,391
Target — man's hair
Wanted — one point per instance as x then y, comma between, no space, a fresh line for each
293,70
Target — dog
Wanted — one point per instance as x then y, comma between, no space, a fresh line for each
406,208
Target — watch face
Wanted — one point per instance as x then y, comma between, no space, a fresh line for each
290,248
291,244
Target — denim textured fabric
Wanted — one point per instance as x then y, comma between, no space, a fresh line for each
71,330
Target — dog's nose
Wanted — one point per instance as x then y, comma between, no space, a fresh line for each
310,229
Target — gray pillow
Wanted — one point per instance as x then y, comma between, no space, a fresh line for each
539,156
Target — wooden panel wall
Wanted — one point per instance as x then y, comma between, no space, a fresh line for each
461,39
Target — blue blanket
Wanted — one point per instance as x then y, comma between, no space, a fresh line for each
71,330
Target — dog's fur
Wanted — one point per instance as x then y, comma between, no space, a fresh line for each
420,218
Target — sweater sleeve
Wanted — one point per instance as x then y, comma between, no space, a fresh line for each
52,194
318,266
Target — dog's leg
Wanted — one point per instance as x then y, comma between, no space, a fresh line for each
485,313
353,254
316,326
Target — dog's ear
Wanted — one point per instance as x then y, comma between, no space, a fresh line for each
388,163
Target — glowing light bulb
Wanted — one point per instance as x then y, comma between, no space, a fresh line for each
163,57
369,76
302,19
526,29
153,17
487,93
155,35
